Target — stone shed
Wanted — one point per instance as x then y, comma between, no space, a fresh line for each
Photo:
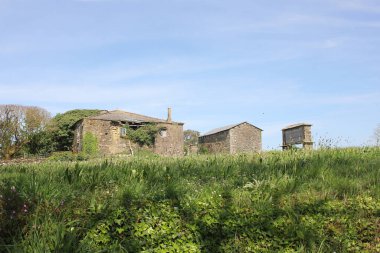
109,130
238,138
295,134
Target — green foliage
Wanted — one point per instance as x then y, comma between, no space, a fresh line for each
62,127
40,143
203,150
63,156
143,135
90,144
68,156
148,227
22,128
48,236
191,137
293,201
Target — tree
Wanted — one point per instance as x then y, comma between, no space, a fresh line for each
191,137
18,125
62,130
377,135
40,143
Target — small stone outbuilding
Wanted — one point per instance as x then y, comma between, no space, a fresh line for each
297,134
109,130
238,138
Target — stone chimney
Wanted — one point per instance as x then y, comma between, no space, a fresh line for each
169,120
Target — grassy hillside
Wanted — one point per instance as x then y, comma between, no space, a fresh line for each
321,201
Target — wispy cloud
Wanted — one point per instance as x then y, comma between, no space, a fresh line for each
291,22
216,62
358,5
86,94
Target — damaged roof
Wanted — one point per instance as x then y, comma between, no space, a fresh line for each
118,115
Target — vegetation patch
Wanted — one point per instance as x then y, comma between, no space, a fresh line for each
144,135
293,201
90,144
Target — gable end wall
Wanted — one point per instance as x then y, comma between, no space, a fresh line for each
245,138
170,144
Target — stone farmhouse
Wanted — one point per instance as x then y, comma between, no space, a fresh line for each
108,128
238,138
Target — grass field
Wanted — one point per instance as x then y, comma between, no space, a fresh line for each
320,201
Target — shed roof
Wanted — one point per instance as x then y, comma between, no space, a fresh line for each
296,125
225,128
118,115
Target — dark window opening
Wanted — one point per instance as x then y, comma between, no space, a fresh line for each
123,131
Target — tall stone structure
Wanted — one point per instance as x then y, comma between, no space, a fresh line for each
297,134
238,138
109,130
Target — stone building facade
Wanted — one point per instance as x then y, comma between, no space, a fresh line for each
297,134
109,130
239,138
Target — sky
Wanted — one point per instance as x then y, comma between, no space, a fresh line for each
214,62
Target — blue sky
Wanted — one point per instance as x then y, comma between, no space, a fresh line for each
215,62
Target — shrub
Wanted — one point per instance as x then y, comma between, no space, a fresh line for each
62,156
143,135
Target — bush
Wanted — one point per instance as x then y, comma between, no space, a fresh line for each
62,129
144,135
63,156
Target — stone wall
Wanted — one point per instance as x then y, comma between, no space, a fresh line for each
108,133
308,141
192,149
216,143
245,138
169,142
293,136
78,137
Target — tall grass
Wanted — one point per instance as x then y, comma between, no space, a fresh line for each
320,201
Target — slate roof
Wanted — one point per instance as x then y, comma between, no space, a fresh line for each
225,128
296,125
118,115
